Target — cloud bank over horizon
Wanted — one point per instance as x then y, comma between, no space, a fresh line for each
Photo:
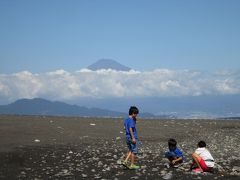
63,85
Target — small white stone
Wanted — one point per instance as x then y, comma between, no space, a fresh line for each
84,175
154,169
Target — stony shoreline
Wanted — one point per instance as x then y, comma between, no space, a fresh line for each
38,147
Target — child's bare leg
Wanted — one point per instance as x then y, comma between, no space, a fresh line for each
197,159
133,156
128,156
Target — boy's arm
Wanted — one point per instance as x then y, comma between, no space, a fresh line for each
179,156
133,138
176,160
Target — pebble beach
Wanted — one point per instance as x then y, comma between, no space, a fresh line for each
39,147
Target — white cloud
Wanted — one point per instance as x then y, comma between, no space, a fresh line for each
63,85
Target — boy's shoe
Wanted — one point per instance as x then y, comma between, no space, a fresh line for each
197,170
177,165
124,163
167,165
134,167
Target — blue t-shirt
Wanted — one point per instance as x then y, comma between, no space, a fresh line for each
172,153
130,123
178,152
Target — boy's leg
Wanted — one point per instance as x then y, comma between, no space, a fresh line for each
133,159
127,156
134,150
133,156
125,162
171,156
197,159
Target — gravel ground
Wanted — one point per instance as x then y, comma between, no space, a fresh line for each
39,147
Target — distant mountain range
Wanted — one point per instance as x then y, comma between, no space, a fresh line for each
161,108
38,106
108,64
205,106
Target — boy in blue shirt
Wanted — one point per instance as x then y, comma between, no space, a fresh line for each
131,137
174,155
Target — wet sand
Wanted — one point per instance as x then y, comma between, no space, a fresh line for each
38,147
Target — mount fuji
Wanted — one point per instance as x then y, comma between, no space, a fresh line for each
108,64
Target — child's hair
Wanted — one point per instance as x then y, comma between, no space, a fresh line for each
172,143
201,144
133,110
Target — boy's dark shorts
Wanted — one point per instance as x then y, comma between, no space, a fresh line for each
132,147
170,155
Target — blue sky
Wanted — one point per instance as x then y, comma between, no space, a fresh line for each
176,48
42,36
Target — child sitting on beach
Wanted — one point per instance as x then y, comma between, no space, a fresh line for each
131,138
202,159
174,155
